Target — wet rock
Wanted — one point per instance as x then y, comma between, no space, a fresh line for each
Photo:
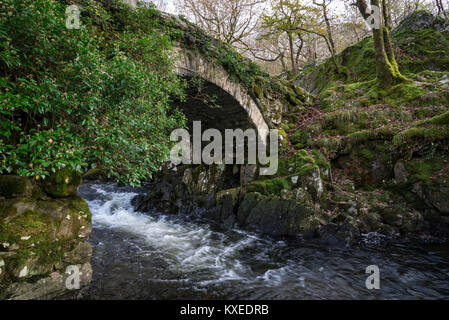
249,202
227,202
348,233
328,234
188,186
79,255
278,217
48,287
435,196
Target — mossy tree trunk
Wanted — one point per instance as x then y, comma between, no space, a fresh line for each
292,53
387,68
386,34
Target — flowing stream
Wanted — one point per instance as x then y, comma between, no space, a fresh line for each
155,256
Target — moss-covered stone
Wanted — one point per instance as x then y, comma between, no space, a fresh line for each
40,237
15,186
62,183
268,187
422,41
95,174
279,217
227,204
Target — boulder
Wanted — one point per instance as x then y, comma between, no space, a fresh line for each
39,239
277,217
421,20
95,175
62,183
54,284
15,186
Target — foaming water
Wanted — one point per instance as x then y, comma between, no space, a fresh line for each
184,245
147,256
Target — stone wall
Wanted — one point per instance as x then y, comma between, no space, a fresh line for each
44,228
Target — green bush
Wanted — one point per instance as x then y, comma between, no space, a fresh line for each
98,95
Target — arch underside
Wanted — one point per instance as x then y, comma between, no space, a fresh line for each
237,109
215,108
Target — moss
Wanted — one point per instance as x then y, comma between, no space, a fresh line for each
30,223
442,119
79,208
7,208
426,134
293,164
320,160
298,137
416,51
38,235
268,187
257,91
403,93
14,186
62,183
367,154
95,174
422,170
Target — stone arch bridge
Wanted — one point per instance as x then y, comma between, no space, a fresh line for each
236,108
260,105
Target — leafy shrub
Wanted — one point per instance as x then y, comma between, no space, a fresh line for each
99,95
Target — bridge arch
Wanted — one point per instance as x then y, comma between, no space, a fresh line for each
238,108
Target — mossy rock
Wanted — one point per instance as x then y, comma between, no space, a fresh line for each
420,46
274,216
95,174
42,236
62,183
297,164
15,186
268,187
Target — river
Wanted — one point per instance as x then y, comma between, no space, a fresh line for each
156,256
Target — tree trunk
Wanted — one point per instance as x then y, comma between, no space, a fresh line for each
329,30
292,53
386,34
387,75
441,9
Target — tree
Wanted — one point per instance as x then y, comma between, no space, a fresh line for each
386,66
282,23
293,19
325,8
231,21
441,10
